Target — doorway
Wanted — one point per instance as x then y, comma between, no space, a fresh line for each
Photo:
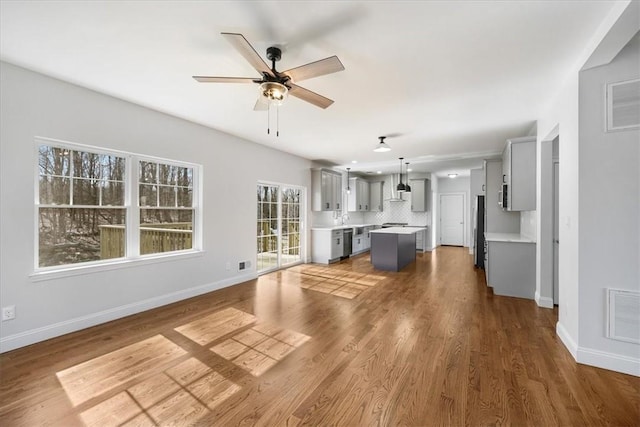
452,219
279,237
556,222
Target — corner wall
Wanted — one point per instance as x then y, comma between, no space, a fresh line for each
36,105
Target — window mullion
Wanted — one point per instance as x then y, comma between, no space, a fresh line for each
133,210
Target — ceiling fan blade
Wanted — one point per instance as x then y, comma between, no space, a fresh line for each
212,79
309,96
314,69
248,52
261,105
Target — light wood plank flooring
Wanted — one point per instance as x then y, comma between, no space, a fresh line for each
341,345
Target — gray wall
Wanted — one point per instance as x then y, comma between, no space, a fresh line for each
36,105
609,198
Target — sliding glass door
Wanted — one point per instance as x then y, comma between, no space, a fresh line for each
279,236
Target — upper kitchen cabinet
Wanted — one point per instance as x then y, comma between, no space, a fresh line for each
358,199
375,196
420,195
477,183
496,219
326,188
519,174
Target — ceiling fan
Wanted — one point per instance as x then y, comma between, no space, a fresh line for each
274,85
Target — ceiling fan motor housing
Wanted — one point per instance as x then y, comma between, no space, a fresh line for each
274,53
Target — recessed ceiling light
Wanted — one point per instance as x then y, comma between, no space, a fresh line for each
453,175
378,171
354,161
409,170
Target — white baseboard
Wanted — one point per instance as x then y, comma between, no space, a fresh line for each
597,358
567,340
544,302
33,336
613,362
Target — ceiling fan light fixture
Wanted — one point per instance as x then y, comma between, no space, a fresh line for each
382,146
273,92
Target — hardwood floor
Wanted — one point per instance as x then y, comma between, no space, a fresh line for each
342,345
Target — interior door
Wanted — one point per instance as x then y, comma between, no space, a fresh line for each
556,234
452,219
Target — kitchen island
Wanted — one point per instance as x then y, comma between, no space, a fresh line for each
393,248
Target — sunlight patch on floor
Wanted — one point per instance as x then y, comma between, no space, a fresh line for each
181,395
96,376
210,328
259,348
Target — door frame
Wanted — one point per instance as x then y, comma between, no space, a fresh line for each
303,225
464,217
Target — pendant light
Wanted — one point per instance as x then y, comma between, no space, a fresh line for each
407,187
382,146
348,188
401,188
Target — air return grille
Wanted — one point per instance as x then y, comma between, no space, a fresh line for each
623,105
624,315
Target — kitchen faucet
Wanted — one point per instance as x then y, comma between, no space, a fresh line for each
343,217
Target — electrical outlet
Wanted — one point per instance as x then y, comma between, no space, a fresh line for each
8,313
227,266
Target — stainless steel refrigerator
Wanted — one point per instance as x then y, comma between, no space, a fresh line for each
478,232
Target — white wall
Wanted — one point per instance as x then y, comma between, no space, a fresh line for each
35,105
460,184
561,118
609,174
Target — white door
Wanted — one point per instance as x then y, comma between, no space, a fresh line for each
556,234
452,219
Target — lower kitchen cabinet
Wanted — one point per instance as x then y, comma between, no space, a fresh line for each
510,265
326,245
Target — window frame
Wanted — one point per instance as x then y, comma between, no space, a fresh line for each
131,208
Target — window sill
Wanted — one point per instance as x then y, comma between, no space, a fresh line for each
79,270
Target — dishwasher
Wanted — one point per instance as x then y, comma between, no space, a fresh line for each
347,241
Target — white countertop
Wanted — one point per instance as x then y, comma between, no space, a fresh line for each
399,230
340,227
507,237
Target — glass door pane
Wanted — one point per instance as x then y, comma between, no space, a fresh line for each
267,230
290,237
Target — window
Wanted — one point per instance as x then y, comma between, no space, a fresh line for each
83,213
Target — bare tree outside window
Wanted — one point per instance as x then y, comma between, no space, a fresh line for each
166,207
80,193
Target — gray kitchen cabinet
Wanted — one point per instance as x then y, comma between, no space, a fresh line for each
519,174
367,237
326,245
326,188
358,198
477,183
375,196
496,219
513,267
420,195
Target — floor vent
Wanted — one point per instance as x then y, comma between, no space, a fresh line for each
624,315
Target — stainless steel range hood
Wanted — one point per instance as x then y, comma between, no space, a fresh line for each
395,195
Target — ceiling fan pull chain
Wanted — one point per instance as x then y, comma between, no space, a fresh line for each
277,121
268,119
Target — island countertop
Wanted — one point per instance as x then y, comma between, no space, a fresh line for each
398,230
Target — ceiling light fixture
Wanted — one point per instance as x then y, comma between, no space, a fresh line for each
407,187
452,175
348,188
274,93
401,188
382,147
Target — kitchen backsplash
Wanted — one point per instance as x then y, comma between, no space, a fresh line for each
528,224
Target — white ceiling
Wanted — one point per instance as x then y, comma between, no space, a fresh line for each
448,81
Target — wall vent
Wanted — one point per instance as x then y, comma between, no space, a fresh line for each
624,315
623,105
